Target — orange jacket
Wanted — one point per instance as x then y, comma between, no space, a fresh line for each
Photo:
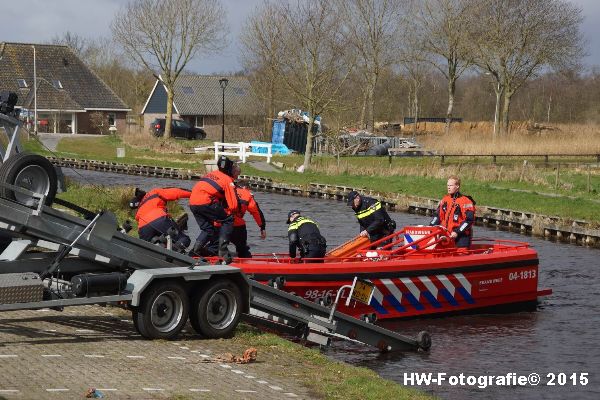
456,213
154,204
214,187
247,203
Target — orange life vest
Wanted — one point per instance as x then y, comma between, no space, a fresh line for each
247,203
452,211
214,187
154,204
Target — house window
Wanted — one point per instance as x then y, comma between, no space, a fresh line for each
22,83
57,84
112,119
187,90
199,121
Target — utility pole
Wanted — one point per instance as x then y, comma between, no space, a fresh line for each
35,121
223,83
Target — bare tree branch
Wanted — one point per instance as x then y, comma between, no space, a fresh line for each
304,50
372,27
164,35
515,40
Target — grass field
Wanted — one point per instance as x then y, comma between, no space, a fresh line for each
158,152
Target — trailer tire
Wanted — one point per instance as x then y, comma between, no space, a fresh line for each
163,311
32,172
216,309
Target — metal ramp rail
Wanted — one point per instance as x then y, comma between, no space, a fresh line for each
9,137
310,321
102,238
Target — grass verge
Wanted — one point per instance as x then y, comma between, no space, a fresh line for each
327,378
158,152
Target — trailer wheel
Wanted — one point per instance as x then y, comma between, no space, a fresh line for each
216,309
29,171
163,311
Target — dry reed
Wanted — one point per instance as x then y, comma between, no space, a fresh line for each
525,138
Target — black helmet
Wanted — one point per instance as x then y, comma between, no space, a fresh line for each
290,213
225,165
137,198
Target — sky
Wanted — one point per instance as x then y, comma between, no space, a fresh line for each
38,21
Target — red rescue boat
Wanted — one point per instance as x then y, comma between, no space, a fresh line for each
416,272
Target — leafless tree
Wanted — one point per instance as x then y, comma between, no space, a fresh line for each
164,35
416,72
515,40
415,64
99,123
372,28
312,56
317,62
261,51
130,82
79,44
439,29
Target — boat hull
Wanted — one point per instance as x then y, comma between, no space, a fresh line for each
414,286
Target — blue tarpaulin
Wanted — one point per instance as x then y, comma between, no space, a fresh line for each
278,131
275,148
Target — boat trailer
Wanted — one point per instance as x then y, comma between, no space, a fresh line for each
57,259
92,262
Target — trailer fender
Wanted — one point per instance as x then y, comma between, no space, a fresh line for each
142,278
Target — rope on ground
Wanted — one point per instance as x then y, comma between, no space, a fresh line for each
248,357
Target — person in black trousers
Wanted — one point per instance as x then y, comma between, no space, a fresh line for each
304,235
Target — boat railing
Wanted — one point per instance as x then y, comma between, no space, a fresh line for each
394,247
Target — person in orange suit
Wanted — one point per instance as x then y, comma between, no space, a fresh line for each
153,218
212,201
456,212
239,236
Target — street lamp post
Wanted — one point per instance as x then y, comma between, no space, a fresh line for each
223,83
35,121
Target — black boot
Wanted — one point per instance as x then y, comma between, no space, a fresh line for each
224,251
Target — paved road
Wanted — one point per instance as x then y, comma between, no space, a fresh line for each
47,354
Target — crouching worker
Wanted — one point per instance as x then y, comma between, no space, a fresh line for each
211,197
153,218
304,235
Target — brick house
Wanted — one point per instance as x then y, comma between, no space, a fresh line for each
198,100
71,98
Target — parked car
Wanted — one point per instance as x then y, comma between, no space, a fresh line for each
179,129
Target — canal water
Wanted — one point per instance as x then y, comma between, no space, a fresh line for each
561,339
